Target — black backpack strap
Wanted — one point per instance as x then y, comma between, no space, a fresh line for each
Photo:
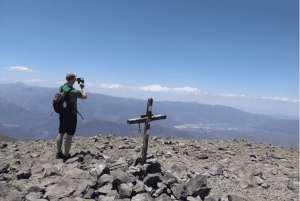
72,105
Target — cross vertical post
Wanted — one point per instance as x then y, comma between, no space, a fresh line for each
146,130
146,119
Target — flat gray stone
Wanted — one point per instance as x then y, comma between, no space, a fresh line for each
3,167
33,196
216,169
142,197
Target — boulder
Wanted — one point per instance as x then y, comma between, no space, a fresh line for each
142,197
34,196
120,177
64,188
23,175
236,198
216,169
152,179
163,197
198,185
104,179
153,167
3,167
105,189
125,190
178,191
213,198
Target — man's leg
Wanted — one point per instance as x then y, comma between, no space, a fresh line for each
59,140
68,143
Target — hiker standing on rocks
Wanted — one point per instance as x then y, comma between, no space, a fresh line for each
68,120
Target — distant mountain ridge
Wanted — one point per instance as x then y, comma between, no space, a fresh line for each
116,109
26,110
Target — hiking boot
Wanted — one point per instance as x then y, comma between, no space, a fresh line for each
59,155
66,158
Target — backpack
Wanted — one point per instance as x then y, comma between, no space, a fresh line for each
60,102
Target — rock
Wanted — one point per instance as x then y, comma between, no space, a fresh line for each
33,196
152,179
2,146
100,169
104,198
89,193
241,172
153,167
291,184
201,156
81,175
14,196
35,189
162,188
265,186
60,190
139,187
3,167
134,160
122,177
213,198
198,185
142,197
190,198
34,155
104,179
236,198
113,193
271,155
125,190
50,180
216,169
169,179
178,191
23,175
36,169
243,184
163,197
105,189
51,171
82,178
248,181
259,180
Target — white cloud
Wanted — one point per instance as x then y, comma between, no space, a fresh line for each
264,98
154,88
158,88
34,81
19,68
281,99
186,89
89,84
111,86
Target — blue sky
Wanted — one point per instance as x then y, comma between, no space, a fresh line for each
243,54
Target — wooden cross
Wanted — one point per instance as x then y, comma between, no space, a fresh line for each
146,119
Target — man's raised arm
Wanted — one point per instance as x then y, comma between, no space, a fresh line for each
84,95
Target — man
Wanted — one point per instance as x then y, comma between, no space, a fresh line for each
68,120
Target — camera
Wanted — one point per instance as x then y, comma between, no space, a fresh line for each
79,80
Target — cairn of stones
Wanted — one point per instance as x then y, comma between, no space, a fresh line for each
107,168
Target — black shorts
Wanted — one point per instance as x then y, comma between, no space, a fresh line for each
67,124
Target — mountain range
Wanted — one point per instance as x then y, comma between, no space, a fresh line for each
26,114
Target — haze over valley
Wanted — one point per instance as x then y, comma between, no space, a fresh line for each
26,115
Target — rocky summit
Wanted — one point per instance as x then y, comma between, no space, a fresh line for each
107,168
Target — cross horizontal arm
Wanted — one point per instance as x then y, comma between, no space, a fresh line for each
137,120
158,117
144,119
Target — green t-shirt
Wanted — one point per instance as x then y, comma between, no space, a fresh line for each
72,97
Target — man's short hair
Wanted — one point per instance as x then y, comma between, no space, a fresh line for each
70,76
